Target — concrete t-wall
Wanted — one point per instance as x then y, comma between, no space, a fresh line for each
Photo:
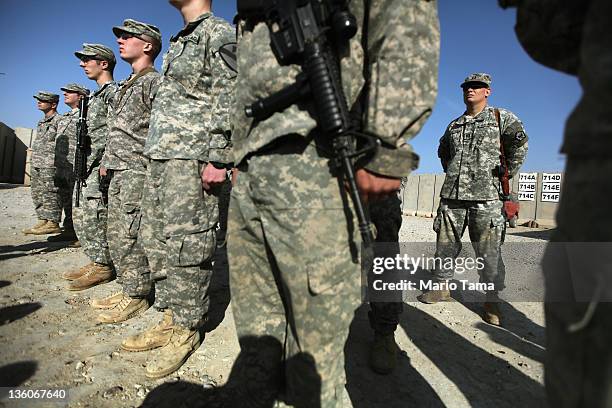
14,149
421,197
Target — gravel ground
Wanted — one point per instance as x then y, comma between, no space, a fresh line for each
450,356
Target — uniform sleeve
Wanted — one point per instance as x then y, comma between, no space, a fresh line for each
515,143
403,54
444,150
222,89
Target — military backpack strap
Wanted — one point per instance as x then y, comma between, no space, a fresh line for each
503,175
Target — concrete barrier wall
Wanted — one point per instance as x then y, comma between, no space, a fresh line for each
421,197
14,154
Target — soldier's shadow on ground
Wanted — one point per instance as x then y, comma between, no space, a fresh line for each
10,314
254,381
518,332
483,378
7,186
405,387
15,374
30,248
543,235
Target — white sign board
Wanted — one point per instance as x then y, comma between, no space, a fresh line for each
526,196
551,187
527,186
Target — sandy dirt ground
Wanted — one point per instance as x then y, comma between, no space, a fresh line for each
50,340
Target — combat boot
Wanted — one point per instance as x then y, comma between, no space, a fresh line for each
39,224
76,273
383,354
435,296
127,308
107,302
49,227
75,244
154,337
172,356
64,236
96,275
491,313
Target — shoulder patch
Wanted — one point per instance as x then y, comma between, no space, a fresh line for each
228,55
520,138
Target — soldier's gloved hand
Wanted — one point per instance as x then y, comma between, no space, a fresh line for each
374,187
212,176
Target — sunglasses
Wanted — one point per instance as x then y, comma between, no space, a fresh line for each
473,85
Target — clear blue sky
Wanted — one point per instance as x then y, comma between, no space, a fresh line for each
38,39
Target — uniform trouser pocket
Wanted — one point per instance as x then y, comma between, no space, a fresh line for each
191,249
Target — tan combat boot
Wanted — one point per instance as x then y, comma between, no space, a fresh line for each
74,244
435,296
491,313
67,235
96,275
76,273
39,224
107,302
383,354
50,227
127,308
156,336
172,356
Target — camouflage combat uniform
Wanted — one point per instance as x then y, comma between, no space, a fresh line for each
386,215
575,37
294,254
64,153
128,126
90,216
470,196
189,127
44,178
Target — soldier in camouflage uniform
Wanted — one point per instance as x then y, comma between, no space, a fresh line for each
470,196
574,37
190,151
292,239
98,63
64,153
386,215
139,45
45,183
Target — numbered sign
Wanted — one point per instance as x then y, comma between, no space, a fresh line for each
551,187
527,186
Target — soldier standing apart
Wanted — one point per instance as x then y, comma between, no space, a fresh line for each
65,146
45,190
293,242
470,196
190,150
98,63
123,161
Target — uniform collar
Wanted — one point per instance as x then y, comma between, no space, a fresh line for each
191,26
103,86
48,119
482,115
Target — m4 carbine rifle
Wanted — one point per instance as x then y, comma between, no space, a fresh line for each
309,33
82,145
